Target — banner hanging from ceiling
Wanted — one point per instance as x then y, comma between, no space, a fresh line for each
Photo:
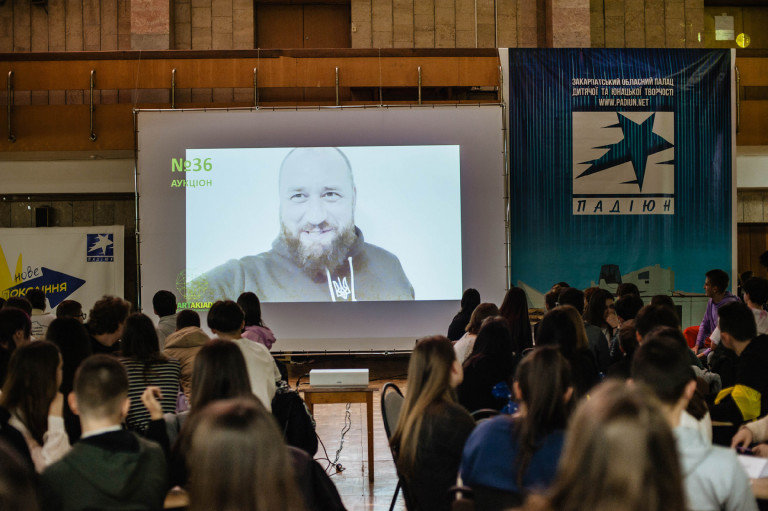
621,168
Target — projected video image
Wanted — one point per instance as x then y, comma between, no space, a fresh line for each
326,224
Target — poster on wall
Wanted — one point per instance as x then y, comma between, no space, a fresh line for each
68,263
620,169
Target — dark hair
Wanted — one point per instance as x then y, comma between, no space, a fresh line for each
480,314
69,309
628,337
187,317
550,299
19,302
31,385
251,306
557,329
573,297
18,488
219,373
101,385
514,309
469,300
652,316
544,377
719,279
664,300
11,321
107,315
627,306
225,316
72,339
662,364
738,321
36,297
494,341
757,289
140,339
164,303
627,288
594,314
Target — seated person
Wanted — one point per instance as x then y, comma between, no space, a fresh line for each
109,468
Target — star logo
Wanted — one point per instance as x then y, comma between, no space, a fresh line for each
100,248
638,143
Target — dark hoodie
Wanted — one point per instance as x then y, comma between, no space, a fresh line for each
115,471
369,273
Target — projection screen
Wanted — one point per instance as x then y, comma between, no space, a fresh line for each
358,228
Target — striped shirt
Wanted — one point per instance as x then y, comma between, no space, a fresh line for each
164,374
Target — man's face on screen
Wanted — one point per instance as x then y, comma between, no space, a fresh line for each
317,202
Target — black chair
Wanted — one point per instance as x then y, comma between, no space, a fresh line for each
391,404
484,414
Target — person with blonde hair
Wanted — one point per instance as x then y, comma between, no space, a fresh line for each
432,427
619,453
238,461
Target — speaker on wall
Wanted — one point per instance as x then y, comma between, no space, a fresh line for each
43,216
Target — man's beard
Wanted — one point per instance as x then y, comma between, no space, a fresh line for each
314,258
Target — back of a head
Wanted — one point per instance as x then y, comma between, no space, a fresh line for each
225,316
19,302
662,364
738,321
594,314
251,306
71,337
107,315
654,316
515,305
757,289
719,278
12,320
164,303
36,297
557,328
69,309
573,297
550,299
494,341
140,338
187,317
481,312
664,300
627,288
617,424
18,491
101,386
628,337
238,460
470,300
219,373
628,306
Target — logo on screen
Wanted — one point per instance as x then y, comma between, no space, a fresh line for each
100,248
623,163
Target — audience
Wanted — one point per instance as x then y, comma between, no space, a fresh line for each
106,322
39,318
514,309
507,456
469,302
713,477
619,454
164,307
491,362
146,366
600,313
627,341
255,329
19,302
70,309
466,343
15,331
626,308
432,427
716,289
184,345
575,298
31,397
109,468
626,289
186,318
19,489
755,296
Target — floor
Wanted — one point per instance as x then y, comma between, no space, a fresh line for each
352,482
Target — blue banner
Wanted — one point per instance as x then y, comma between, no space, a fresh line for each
620,167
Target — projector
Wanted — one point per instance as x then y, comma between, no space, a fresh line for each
338,377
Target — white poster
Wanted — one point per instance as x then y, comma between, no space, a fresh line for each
68,263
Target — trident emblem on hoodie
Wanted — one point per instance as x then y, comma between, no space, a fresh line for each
342,288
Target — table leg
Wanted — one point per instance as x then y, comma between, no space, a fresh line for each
369,409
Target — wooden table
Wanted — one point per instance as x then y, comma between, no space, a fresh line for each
327,395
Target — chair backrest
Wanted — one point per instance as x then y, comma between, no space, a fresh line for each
391,404
484,414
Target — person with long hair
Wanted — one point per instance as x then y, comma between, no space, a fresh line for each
469,301
31,396
619,453
73,342
600,322
564,328
492,361
432,428
507,456
255,329
147,366
466,343
238,461
514,309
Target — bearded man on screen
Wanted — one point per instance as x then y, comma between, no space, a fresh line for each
319,255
